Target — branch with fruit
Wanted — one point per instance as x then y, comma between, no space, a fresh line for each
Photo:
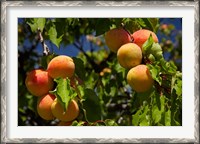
152,87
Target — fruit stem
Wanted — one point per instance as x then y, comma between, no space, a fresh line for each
46,50
123,26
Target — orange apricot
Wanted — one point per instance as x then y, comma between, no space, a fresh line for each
139,78
61,66
62,123
141,36
38,82
116,37
129,55
70,114
44,106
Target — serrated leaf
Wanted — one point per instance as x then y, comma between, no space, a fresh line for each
150,23
141,22
152,50
156,114
168,67
156,51
131,24
158,110
144,117
110,122
76,123
64,93
176,83
155,73
151,58
136,118
178,88
36,23
53,36
168,118
155,24
147,45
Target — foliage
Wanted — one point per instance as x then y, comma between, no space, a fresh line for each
104,97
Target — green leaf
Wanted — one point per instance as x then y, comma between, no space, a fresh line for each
131,25
79,68
141,22
136,118
64,93
61,27
156,51
91,105
76,123
151,58
152,50
156,114
102,25
158,110
110,122
178,88
157,100
168,118
168,67
144,116
53,36
36,23
149,23
176,84
155,73
146,47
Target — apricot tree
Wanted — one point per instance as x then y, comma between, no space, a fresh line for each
99,71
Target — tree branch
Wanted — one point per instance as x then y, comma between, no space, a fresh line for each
46,50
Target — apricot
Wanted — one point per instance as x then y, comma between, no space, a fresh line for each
140,37
129,55
104,71
116,37
70,114
139,78
38,82
44,106
62,123
61,66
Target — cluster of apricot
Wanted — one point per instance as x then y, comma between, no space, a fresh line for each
129,54
39,82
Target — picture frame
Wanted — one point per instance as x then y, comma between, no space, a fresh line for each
5,88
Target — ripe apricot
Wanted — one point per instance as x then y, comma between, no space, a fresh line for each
38,82
140,37
116,37
139,78
69,115
61,66
62,123
44,106
129,55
